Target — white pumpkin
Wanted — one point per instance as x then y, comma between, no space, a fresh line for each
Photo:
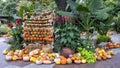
16,53
47,62
77,61
38,61
26,58
8,57
56,59
109,56
83,61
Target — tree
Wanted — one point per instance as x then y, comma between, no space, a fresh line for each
8,7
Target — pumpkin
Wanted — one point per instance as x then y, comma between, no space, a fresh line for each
57,62
63,61
50,55
26,58
69,61
20,58
5,52
19,54
26,51
33,59
7,57
47,62
108,56
83,61
15,53
14,58
104,57
38,61
99,58
56,59
77,61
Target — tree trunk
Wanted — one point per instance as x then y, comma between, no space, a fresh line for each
61,4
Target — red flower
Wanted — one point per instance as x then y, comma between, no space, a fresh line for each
10,25
57,19
17,24
18,20
67,19
74,19
64,17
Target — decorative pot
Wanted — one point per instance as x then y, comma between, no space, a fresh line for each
66,52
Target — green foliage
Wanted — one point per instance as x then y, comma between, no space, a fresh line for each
103,38
117,22
8,7
4,29
88,44
67,35
88,55
25,9
16,33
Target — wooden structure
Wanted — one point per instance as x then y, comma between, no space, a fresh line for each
38,31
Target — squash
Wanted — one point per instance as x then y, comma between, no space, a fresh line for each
47,62
38,61
99,58
26,58
69,61
26,51
20,58
83,61
109,56
56,59
77,61
5,52
103,57
63,61
33,59
14,58
7,57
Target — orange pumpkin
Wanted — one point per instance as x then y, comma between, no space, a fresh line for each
63,61
26,51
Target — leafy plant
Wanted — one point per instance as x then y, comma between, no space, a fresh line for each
16,33
103,38
4,29
67,35
88,45
116,20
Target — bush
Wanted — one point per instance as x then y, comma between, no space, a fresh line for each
103,38
4,29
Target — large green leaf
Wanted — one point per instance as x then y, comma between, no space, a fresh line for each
101,15
72,4
69,14
82,8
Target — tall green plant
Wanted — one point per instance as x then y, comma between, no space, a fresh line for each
67,34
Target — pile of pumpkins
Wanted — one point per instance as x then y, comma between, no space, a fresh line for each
110,45
40,57
101,54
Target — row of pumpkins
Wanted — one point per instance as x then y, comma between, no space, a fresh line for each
40,57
